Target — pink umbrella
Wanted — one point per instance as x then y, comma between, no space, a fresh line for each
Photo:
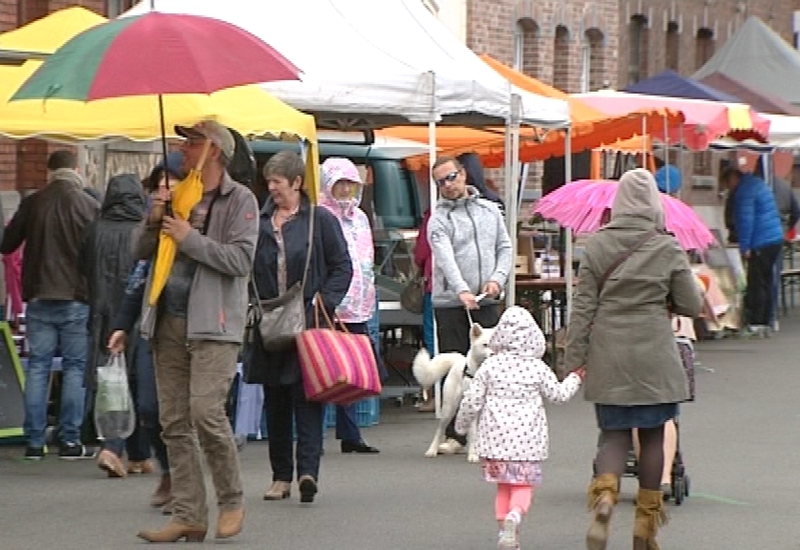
580,205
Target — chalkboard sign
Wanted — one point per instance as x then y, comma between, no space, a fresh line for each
12,382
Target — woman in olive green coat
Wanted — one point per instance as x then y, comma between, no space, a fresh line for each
632,275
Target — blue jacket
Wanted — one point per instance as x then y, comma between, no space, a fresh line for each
758,223
329,274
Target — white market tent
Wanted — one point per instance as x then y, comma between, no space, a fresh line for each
376,63
372,64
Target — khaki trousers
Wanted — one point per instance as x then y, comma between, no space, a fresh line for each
193,379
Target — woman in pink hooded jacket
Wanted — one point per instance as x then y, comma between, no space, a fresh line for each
341,192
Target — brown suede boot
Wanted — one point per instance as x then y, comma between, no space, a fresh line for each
163,492
230,523
602,499
650,514
175,531
279,490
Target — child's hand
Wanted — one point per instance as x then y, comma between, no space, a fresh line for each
581,372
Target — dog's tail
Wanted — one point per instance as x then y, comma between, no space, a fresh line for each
427,371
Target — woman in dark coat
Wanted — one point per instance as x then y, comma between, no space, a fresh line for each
105,260
279,263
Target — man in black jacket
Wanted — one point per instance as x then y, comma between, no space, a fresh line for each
51,222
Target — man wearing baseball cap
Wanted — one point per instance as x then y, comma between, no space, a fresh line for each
196,329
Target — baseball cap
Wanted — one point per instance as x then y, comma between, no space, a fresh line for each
212,130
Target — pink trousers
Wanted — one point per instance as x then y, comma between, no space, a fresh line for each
510,497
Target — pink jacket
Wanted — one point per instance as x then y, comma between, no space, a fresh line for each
358,306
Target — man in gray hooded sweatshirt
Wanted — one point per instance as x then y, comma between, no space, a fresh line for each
471,256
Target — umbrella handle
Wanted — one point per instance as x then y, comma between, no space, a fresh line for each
203,155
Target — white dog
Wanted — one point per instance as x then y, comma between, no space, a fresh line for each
459,371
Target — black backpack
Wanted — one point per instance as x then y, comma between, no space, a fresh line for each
242,166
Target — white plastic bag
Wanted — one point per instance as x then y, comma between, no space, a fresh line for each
114,415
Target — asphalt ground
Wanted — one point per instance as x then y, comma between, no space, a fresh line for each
739,440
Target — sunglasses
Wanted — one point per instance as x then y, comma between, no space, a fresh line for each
449,178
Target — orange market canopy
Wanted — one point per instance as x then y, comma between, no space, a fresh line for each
590,128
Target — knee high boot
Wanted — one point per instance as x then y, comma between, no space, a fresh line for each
650,514
602,498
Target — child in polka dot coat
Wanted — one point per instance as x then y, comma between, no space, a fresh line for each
507,397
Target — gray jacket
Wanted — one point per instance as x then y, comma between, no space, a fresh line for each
470,247
218,295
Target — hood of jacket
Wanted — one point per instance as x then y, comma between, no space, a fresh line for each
638,197
517,333
124,200
333,170
68,175
475,177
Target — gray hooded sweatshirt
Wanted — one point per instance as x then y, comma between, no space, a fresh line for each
470,247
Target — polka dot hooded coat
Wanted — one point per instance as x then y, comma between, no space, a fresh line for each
508,391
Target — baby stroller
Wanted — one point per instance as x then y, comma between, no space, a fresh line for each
679,479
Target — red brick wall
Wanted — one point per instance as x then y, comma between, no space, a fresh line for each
492,24
721,19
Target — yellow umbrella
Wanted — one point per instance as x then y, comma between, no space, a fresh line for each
185,197
248,109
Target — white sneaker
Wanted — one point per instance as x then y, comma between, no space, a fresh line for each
451,447
509,536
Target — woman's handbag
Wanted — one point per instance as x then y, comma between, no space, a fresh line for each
413,296
337,366
282,318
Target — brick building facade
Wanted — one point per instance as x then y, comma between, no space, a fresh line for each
22,163
579,46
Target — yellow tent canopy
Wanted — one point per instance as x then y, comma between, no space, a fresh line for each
248,109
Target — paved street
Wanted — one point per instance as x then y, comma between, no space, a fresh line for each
740,443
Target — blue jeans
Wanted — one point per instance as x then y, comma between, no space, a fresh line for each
347,423
52,325
427,323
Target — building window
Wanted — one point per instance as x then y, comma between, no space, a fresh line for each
526,51
704,47
561,61
673,46
118,7
593,72
637,57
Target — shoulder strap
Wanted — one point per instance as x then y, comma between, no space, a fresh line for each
624,256
312,215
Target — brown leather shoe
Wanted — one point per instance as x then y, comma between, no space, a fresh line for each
163,492
230,522
175,531
111,463
141,467
279,490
